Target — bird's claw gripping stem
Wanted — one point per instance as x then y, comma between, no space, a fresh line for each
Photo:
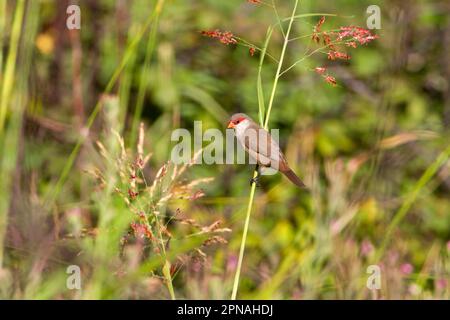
255,180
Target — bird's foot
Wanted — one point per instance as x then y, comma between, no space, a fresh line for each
255,181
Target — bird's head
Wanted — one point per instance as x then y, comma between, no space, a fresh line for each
238,119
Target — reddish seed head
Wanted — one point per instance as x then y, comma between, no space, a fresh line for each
320,70
333,55
331,80
227,38
315,36
141,230
319,24
351,36
361,35
132,194
326,38
211,34
224,37
252,51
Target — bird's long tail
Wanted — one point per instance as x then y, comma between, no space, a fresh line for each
294,178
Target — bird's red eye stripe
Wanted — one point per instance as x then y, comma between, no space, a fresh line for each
240,120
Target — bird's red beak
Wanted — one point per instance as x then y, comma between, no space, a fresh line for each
230,125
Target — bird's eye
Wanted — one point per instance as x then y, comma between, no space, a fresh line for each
237,121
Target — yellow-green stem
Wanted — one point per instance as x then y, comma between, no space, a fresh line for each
8,78
2,34
244,238
253,187
145,71
166,267
8,137
280,65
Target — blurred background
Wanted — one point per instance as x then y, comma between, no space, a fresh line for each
373,149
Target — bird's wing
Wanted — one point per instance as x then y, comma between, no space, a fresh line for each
260,145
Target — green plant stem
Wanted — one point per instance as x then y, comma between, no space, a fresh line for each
259,86
150,48
8,79
255,173
280,65
244,238
9,138
274,7
2,35
166,267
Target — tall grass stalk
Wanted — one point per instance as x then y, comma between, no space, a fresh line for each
8,79
145,71
166,268
113,220
2,35
126,81
266,123
9,137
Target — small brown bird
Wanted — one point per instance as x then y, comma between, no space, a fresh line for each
261,147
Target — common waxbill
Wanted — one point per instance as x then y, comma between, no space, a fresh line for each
261,147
